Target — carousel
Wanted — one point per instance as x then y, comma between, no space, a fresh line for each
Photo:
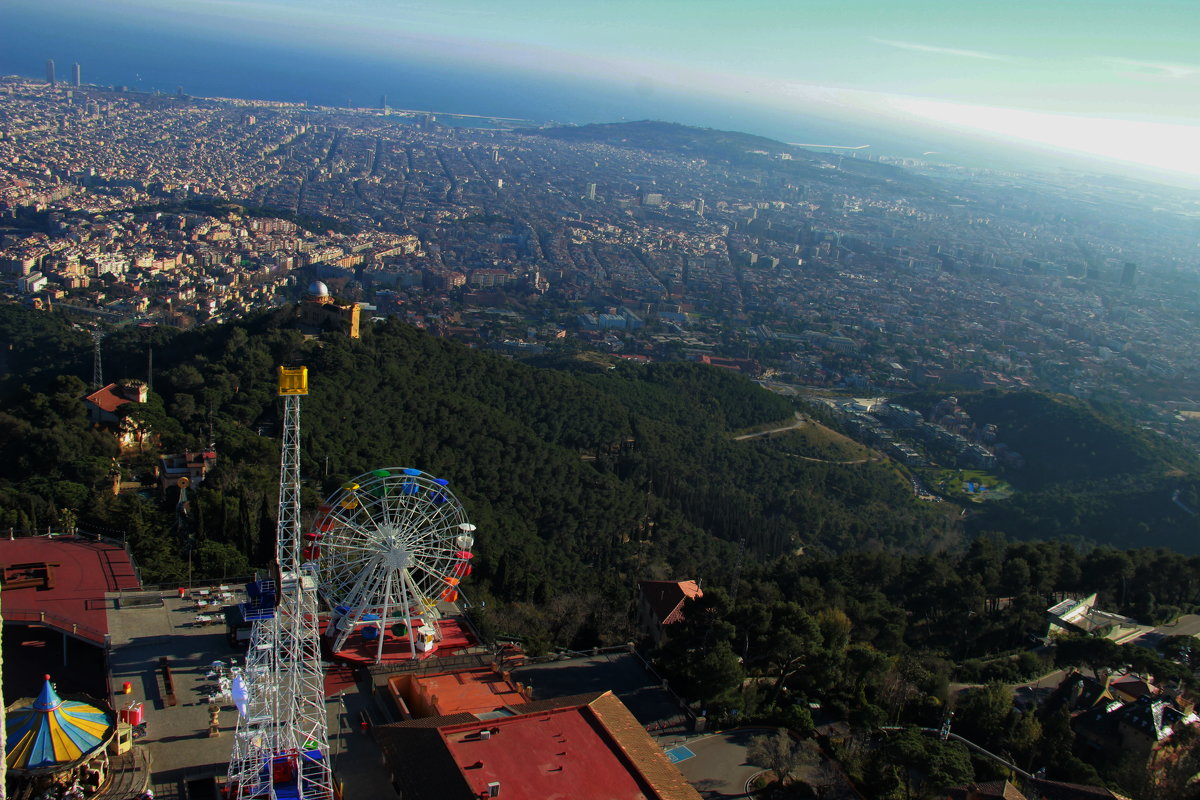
57,748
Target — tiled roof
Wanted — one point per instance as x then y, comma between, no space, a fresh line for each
637,745
108,399
992,790
666,598
1055,790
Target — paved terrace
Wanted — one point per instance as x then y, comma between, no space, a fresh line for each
148,626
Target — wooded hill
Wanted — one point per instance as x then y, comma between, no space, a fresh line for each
824,582
1090,474
581,479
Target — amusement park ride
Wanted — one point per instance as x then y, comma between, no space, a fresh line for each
384,550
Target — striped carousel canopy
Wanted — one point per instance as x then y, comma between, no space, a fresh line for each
54,733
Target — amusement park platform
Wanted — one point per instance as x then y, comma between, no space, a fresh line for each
455,636
177,741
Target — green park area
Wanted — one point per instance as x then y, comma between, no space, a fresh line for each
975,485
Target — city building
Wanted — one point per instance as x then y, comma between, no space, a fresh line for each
50,72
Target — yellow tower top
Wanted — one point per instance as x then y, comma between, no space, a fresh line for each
293,380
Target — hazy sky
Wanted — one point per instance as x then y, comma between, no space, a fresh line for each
1119,80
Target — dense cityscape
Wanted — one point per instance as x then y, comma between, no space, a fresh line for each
818,269
852,585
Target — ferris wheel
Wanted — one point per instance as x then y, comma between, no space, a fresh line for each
390,545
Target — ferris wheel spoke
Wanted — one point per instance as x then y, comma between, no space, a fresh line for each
435,580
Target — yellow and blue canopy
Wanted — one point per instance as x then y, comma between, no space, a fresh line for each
51,732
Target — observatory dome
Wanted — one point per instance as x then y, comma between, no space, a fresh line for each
318,289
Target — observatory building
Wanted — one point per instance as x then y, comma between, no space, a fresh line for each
319,310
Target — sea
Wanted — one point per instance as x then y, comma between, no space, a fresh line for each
115,50
119,49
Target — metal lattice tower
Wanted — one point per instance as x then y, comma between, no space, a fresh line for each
281,748
97,373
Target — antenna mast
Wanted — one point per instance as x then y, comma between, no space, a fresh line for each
97,374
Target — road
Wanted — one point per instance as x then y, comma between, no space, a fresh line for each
719,769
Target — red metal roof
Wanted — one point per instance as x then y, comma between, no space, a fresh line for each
550,755
85,571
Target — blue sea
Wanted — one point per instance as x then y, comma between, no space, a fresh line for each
117,51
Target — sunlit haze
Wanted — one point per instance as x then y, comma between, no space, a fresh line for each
1113,81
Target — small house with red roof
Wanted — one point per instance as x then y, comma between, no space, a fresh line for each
103,406
661,603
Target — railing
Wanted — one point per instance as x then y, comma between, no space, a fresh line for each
207,583
56,622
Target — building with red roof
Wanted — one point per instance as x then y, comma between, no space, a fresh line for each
480,690
103,407
586,747
54,589
661,603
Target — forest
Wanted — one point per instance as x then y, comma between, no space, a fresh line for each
824,583
1090,474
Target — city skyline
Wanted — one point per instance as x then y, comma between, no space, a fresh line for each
1100,80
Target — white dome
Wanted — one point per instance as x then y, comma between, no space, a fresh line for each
318,289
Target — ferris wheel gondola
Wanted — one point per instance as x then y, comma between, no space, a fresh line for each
391,544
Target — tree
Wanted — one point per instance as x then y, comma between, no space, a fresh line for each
781,754
982,715
717,673
941,764
1091,651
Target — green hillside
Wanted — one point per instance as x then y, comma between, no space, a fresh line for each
823,582
580,478
1065,440
1087,476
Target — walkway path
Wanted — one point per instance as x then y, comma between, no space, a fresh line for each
798,423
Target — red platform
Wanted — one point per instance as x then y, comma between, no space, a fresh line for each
454,638
72,599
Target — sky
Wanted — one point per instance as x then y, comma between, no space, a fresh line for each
1118,81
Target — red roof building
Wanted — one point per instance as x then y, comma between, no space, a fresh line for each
481,690
103,404
60,582
587,747
662,603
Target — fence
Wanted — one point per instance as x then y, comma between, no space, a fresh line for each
56,622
